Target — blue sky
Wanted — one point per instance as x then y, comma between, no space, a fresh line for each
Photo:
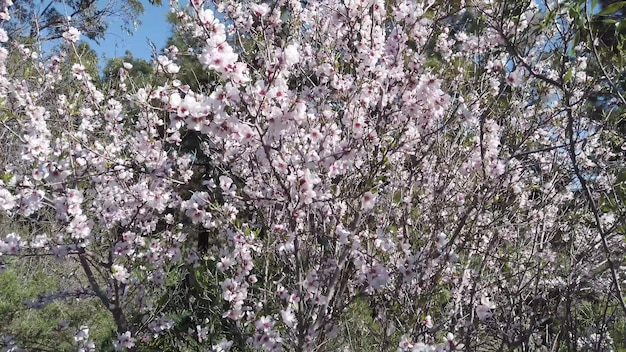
154,26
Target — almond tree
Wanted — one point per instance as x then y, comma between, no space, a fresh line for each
434,161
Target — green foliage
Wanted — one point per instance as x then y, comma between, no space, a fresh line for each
140,75
39,329
194,299
360,331
46,20
611,9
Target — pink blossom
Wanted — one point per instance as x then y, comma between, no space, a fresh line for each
368,200
124,341
7,200
119,273
71,35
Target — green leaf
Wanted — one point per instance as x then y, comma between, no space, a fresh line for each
574,12
549,19
397,197
568,75
575,42
5,115
6,177
612,8
620,28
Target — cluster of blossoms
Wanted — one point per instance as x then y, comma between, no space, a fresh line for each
347,161
124,342
82,339
449,344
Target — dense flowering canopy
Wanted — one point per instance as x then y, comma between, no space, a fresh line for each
434,161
